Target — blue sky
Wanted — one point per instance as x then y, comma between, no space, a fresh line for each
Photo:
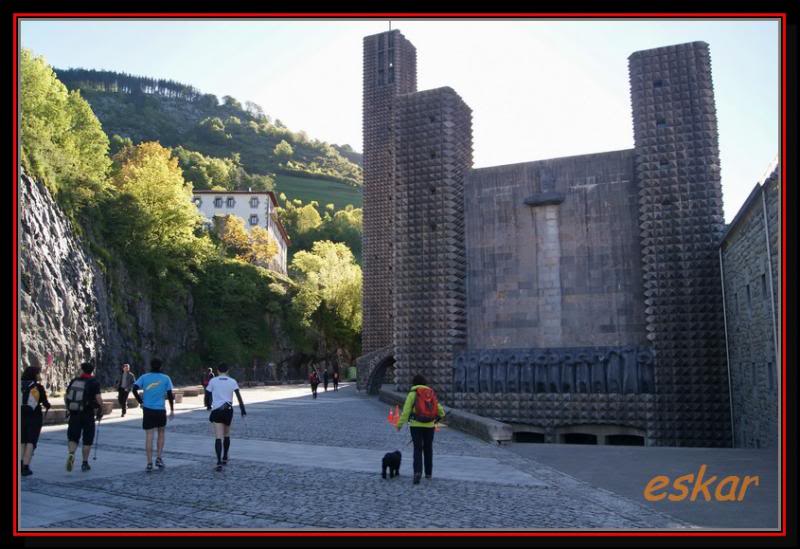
538,89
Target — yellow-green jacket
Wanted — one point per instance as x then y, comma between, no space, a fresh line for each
408,407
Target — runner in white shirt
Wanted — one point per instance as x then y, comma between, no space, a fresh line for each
222,389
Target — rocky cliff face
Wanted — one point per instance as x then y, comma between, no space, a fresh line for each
70,308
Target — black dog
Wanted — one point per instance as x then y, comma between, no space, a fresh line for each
392,462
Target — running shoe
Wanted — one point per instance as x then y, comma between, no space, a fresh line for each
85,466
159,463
70,462
149,468
218,468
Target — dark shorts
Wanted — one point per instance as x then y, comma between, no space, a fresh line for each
30,427
223,414
81,426
152,419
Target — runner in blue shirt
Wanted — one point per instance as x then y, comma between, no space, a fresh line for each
155,388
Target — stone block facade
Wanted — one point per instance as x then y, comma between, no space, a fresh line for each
750,254
434,154
680,222
390,69
545,274
572,296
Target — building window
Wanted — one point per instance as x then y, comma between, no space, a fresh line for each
254,219
217,202
661,123
254,202
198,201
380,59
764,285
658,84
770,376
380,76
749,302
391,73
231,202
736,302
753,370
663,165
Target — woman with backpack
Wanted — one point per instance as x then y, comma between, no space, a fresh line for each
33,398
421,410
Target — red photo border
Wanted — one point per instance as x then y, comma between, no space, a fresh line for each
17,16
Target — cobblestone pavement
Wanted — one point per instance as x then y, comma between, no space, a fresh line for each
334,482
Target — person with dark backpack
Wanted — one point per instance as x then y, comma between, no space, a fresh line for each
421,410
325,379
33,398
84,404
313,379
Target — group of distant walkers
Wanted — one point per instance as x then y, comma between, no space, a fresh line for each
84,408
313,380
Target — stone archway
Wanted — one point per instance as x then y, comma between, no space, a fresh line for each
371,368
376,379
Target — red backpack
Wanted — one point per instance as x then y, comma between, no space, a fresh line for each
426,406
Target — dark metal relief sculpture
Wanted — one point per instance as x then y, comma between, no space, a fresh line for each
625,370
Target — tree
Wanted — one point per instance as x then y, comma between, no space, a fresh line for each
118,143
63,143
233,236
329,295
283,150
262,246
149,174
229,101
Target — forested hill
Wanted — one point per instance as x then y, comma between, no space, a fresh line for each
175,114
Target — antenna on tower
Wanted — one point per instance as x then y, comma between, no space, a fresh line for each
390,25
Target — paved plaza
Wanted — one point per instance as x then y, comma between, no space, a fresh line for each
300,463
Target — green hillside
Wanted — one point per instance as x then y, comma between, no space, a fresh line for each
178,115
324,192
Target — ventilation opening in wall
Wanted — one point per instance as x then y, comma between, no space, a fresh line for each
624,440
578,438
525,436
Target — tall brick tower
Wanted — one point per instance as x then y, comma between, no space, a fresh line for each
434,155
681,221
390,69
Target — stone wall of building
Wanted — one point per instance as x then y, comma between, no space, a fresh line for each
434,154
751,315
553,255
576,295
680,222
390,68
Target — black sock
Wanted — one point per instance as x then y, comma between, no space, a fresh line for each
227,445
218,449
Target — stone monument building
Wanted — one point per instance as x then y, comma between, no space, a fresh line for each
577,298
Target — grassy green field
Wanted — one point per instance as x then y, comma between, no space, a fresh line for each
321,190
